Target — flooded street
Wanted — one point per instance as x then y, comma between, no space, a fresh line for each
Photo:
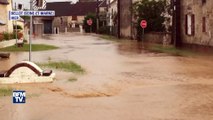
122,82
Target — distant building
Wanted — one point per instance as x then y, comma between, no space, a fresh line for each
5,24
197,22
69,17
112,16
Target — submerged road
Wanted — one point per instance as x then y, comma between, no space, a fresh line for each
122,82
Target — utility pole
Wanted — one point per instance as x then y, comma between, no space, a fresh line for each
16,26
97,17
119,15
176,25
173,21
31,30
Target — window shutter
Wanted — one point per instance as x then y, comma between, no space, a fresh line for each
204,24
186,24
193,24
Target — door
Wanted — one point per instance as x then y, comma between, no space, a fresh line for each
48,27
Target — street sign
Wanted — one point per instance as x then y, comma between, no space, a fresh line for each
143,24
32,13
15,15
89,22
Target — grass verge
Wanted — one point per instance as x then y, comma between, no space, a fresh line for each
6,92
170,50
68,66
110,38
35,47
72,79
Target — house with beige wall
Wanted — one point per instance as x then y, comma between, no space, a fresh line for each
5,24
197,22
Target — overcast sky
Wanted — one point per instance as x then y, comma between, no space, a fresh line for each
26,2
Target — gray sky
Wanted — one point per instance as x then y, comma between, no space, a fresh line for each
26,2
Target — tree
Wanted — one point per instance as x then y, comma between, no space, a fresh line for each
93,26
153,12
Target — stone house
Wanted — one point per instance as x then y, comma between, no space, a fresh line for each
197,22
127,22
124,20
5,24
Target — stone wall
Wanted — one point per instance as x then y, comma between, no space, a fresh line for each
158,37
126,18
66,24
199,10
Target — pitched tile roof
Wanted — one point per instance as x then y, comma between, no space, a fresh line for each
4,2
67,9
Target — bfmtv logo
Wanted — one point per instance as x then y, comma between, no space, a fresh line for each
19,96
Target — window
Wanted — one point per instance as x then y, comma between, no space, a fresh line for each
39,3
74,18
190,24
204,24
20,6
61,20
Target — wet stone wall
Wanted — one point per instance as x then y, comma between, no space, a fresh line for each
203,21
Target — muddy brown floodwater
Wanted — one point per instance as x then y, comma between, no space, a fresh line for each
123,82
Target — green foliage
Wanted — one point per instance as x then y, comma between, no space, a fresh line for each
64,65
171,50
5,91
72,79
151,11
110,38
7,36
18,27
25,17
93,26
35,47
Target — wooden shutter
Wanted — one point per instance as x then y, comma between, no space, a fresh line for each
193,24
186,24
204,24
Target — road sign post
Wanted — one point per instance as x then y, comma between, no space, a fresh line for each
31,30
143,25
89,22
15,15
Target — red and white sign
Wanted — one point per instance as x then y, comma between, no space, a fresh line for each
89,22
143,24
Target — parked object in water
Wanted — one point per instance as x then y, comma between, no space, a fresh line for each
4,55
26,72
